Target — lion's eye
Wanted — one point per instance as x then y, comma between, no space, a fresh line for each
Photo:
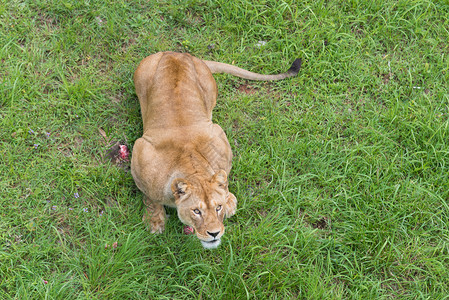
197,211
218,208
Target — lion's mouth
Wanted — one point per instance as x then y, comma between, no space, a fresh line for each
211,244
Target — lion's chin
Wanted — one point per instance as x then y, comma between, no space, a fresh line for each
212,244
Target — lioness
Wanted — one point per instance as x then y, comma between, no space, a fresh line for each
183,159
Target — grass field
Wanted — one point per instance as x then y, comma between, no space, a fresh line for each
341,173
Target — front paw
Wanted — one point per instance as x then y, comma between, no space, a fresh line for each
157,228
154,223
231,205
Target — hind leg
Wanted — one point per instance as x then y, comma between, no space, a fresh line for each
154,216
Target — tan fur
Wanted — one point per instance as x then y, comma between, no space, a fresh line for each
183,159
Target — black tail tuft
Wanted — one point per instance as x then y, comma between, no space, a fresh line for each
296,65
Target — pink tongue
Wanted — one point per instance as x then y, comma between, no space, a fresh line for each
188,230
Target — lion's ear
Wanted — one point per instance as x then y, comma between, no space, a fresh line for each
180,187
231,205
221,178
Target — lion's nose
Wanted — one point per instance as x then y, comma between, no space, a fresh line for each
213,234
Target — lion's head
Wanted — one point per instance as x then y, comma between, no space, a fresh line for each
203,204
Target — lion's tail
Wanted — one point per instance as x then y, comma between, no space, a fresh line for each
218,67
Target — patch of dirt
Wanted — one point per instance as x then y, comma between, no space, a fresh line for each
116,98
357,30
387,77
43,19
322,223
247,89
262,212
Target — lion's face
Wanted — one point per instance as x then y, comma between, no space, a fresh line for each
203,205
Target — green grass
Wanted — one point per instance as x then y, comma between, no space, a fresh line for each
341,173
